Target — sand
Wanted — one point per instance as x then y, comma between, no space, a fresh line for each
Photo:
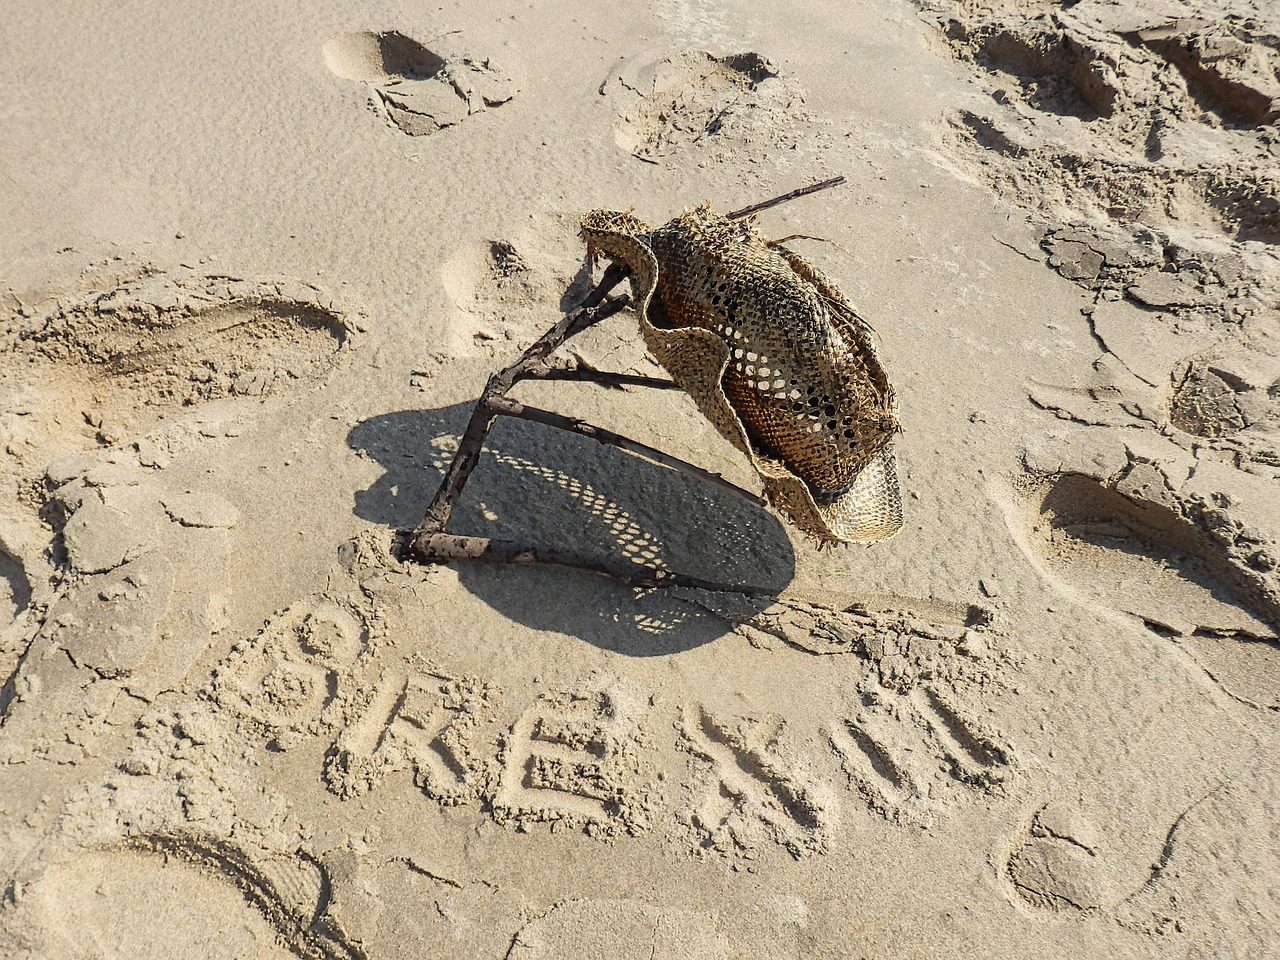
256,263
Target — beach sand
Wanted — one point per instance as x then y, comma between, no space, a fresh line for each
257,261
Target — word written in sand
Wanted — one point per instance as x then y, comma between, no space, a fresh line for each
600,755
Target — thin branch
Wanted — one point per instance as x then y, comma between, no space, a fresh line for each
443,547
808,236
602,377
801,192
507,407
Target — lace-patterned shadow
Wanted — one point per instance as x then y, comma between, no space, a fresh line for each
544,487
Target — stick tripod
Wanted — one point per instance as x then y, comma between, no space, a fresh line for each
431,543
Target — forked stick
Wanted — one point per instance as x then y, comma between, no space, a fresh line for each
429,543
590,312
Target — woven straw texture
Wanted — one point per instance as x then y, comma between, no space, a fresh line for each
775,357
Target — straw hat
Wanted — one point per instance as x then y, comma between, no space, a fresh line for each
775,357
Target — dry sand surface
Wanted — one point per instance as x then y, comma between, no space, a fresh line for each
257,260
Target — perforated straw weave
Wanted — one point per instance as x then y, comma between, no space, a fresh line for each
775,357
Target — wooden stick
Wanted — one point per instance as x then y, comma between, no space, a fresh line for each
507,407
802,192
602,377
441,547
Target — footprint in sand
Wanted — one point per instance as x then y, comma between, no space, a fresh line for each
1230,394
95,367
693,98
1122,548
232,902
508,291
1140,558
422,90
115,896
1055,863
1188,344
126,616
1205,873
1232,76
